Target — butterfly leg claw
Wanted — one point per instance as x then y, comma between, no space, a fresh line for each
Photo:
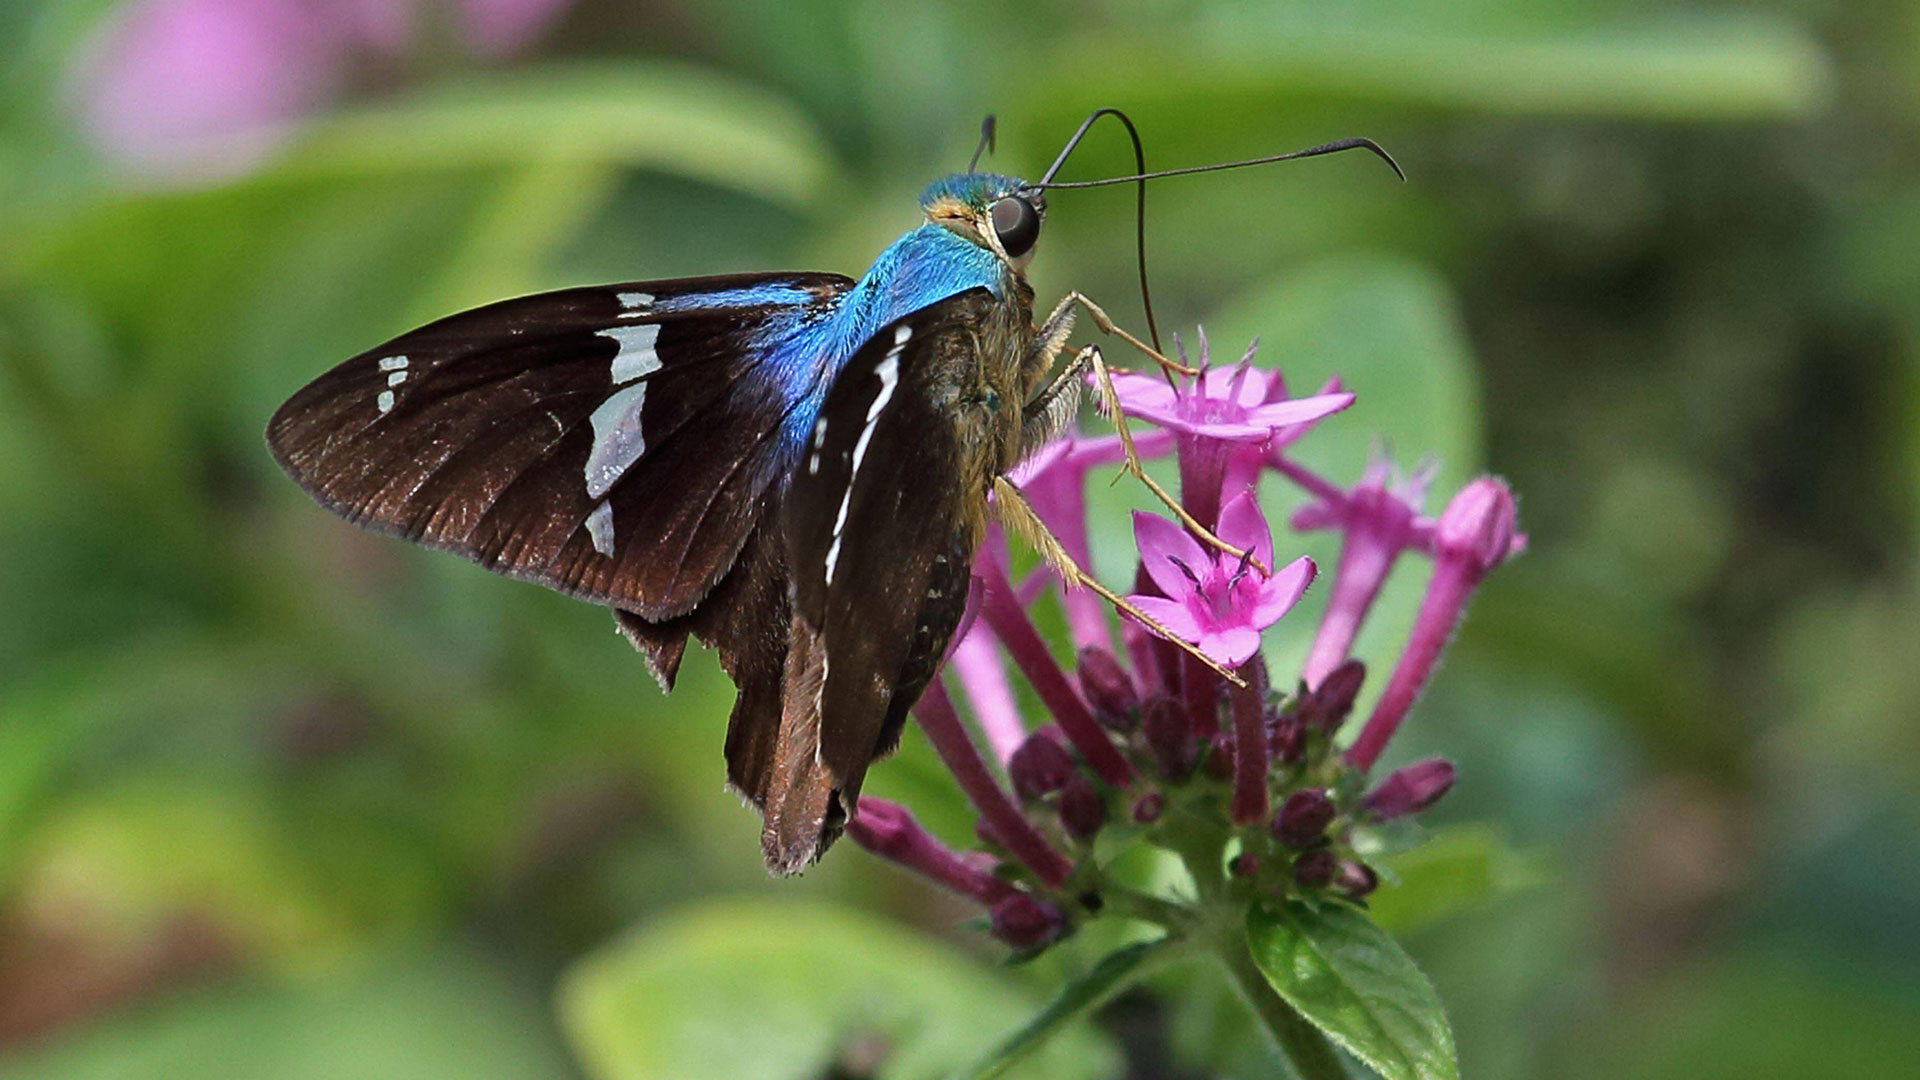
1089,361
1016,515
1107,326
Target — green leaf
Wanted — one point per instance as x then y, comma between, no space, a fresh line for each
1114,973
765,990
1355,983
1456,869
439,1015
677,119
1680,69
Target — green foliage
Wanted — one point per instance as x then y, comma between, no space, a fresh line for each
780,989
1655,264
444,1014
1450,872
1084,993
1354,983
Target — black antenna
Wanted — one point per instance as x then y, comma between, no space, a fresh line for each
1140,215
1143,176
986,142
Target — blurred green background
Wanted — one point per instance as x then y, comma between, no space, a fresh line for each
282,799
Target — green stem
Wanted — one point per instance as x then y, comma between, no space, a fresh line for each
1307,1050
1176,918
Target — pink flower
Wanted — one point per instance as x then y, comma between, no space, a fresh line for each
1054,480
1226,422
195,89
1239,404
199,87
1215,602
496,28
1379,519
1475,534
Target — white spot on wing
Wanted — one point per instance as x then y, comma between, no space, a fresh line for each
889,373
617,441
600,527
396,378
385,402
636,303
393,363
636,357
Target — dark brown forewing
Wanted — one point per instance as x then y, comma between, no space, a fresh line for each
877,546
476,434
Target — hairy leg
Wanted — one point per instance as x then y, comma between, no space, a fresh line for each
1017,517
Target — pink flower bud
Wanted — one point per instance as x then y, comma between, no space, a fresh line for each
1082,812
1026,922
1169,734
1332,701
1303,818
1040,767
1355,879
1315,868
1108,689
1478,525
889,831
1410,790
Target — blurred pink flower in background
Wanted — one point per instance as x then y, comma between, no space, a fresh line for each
198,89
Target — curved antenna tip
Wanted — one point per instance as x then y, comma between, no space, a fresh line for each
986,143
1379,151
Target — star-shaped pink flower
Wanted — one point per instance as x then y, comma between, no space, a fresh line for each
1215,602
1238,404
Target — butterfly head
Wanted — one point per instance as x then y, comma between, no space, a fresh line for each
1000,213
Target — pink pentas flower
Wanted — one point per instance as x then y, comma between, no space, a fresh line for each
200,87
195,89
1239,403
1213,601
1225,422
497,28
1054,480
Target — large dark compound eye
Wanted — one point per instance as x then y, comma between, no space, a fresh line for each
1017,224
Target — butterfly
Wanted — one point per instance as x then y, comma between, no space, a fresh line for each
792,468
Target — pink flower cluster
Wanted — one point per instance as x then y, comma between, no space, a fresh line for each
197,88
1130,739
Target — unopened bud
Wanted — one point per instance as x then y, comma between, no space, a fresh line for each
1026,922
1108,688
1303,818
1315,868
1169,735
1477,525
1286,735
1410,790
1220,756
1082,811
1244,865
1333,698
1355,879
1147,810
1039,767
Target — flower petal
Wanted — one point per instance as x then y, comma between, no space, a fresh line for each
1173,615
1298,410
1162,541
1230,646
1143,392
1280,592
1245,527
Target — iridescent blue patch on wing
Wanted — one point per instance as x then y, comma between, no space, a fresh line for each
754,296
806,347
974,189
